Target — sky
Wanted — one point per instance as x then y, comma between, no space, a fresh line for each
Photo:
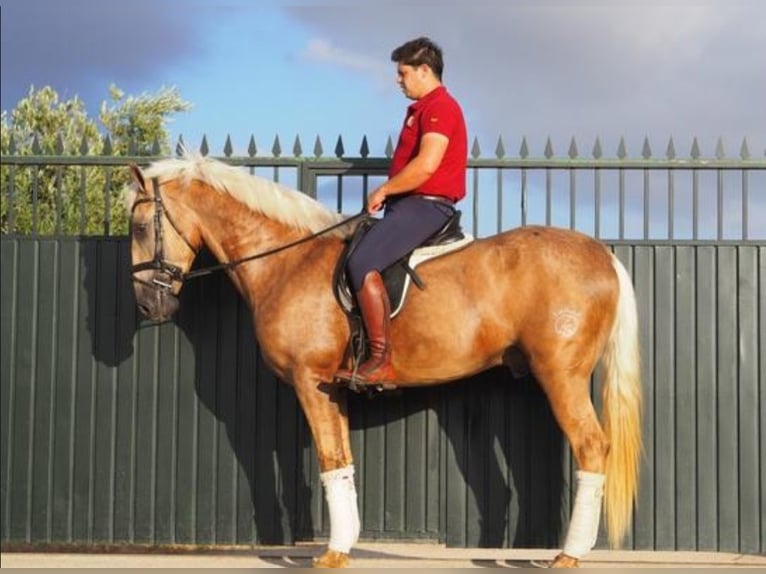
520,68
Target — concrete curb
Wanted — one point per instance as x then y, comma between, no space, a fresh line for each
376,555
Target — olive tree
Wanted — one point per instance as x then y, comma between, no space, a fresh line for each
75,195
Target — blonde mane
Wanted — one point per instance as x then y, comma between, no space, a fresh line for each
274,200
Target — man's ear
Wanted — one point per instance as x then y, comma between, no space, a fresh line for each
138,177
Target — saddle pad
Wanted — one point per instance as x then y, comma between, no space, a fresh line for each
421,255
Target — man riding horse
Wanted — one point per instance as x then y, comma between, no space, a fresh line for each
559,298
426,179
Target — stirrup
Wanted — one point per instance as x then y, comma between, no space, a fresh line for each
359,384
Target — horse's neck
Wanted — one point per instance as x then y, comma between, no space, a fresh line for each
237,233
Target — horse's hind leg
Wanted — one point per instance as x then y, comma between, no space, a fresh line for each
569,397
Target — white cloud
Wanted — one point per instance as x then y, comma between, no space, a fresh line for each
584,68
323,51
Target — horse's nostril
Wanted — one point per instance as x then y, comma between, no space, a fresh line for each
145,311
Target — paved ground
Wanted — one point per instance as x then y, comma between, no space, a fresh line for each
376,555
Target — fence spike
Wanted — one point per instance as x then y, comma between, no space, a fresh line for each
670,152
276,149
132,147
36,145
695,152
744,150
107,147
364,150
500,148
228,149
156,147
598,152
204,149
524,149
252,149
621,151
475,149
646,150
548,148
318,148
180,146
573,149
719,151
59,147
84,147
297,148
339,149
12,146
389,148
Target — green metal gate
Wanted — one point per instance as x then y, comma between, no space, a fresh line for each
118,431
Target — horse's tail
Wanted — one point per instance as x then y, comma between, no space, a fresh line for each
622,410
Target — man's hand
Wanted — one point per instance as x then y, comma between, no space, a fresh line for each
376,200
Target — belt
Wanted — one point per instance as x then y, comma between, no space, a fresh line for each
437,199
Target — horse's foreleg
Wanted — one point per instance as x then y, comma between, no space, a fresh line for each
571,404
326,414
340,493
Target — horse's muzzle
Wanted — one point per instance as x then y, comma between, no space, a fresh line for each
155,302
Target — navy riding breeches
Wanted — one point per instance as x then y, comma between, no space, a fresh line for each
406,224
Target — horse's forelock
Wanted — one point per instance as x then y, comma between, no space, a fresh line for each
129,196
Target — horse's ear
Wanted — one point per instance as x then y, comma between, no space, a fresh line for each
138,177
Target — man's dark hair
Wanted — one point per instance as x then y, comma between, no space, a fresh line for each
420,51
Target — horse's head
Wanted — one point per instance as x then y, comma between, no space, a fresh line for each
163,244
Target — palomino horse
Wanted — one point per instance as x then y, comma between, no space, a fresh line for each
556,297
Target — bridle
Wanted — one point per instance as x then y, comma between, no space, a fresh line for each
167,273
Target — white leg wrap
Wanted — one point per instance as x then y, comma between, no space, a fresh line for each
340,492
583,526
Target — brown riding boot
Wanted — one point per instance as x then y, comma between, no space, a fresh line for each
376,314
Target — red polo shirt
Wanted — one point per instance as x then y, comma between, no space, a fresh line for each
436,112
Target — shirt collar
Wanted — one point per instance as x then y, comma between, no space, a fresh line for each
430,96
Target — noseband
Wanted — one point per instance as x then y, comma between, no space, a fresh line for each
166,271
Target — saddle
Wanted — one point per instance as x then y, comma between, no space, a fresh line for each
398,276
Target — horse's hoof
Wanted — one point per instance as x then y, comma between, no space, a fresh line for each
332,559
564,561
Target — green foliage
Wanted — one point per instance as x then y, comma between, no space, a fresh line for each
140,120
77,198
